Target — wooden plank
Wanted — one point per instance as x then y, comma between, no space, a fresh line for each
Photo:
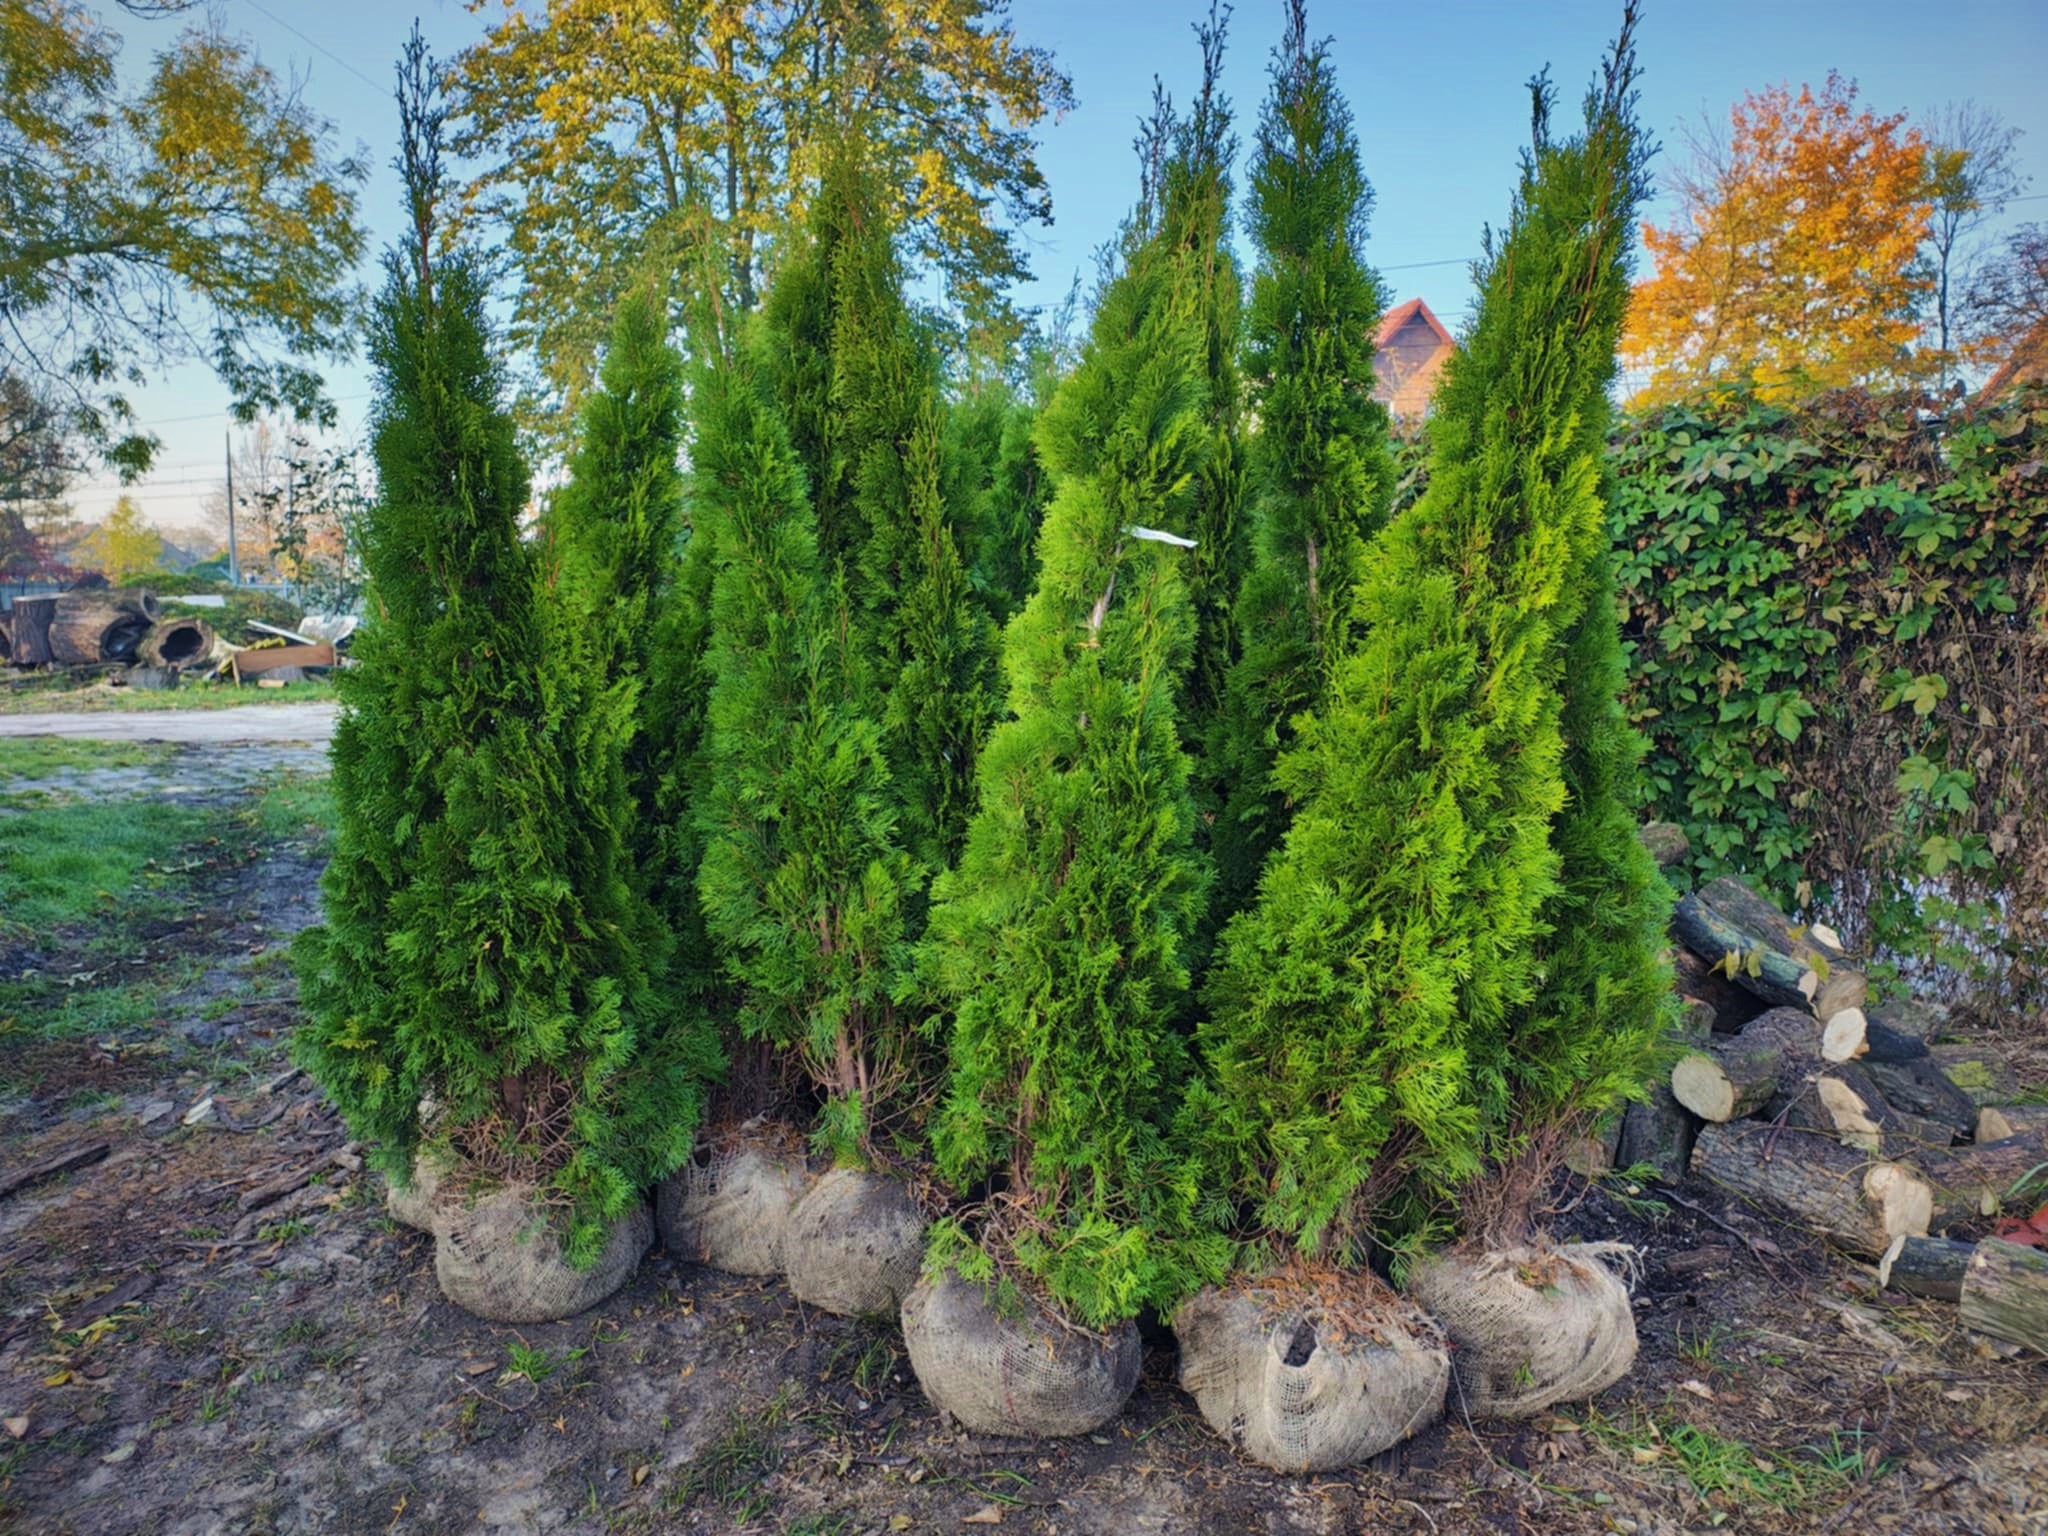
270,658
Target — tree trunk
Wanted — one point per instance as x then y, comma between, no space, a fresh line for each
1923,1089
91,627
1735,1075
1972,1184
1814,1182
1657,1134
175,643
1842,1100
2005,1293
1841,985
30,637
1995,1122
1926,1266
1983,1075
1853,1036
1777,978
1700,982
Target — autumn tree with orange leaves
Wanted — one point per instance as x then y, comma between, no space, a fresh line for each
1794,262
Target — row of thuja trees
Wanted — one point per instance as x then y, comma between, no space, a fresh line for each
1089,796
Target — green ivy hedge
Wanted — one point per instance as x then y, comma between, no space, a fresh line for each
1837,623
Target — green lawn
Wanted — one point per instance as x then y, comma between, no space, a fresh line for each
47,757
57,696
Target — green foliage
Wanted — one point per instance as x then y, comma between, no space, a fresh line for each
801,877
1058,946
196,214
1319,467
859,386
1366,1011
483,944
998,490
1829,614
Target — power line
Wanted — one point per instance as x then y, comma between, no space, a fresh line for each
316,47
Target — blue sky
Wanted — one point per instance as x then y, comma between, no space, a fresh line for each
1436,92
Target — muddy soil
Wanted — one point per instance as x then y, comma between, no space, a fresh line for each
180,1357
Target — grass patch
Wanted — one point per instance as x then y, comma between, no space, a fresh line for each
36,699
296,806
1731,1474
48,757
69,864
731,1469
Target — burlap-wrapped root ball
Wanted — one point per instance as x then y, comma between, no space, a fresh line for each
855,1244
732,1213
1532,1326
1024,1373
498,1251
1290,1387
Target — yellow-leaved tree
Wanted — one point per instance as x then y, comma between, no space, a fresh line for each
1794,262
124,544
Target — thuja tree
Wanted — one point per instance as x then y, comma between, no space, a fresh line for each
1587,1038
483,945
1364,1009
801,877
1319,468
866,422
617,523
998,490
1057,948
1189,161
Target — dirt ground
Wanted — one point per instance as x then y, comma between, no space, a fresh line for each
177,1356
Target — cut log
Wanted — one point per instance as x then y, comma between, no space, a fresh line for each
1925,1266
1922,1088
1983,1075
29,635
1666,841
1854,1201
1657,1135
1699,981
175,643
1851,1035
2005,1293
1995,1122
87,628
1972,1184
1744,957
1909,1016
1735,1075
1843,1100
1590,1154
1841,984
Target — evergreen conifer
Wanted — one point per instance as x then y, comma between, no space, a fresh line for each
1058,946
866,424
483,943
801,877
998,490
1364,1009
1319,466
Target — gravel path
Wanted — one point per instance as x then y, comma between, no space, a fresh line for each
311,723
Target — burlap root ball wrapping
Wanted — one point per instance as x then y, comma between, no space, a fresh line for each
499,1256
1531,1327
855,1244
1286,1388
1020,1375
413,1206
734,1213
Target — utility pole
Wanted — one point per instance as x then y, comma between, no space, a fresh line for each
234,556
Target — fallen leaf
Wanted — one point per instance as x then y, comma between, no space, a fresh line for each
1698,1389
116,1457
16,1426
987,1515
899,1522
1954,1395
477,1368
1645,1454
56,1378
562,1425
639,1476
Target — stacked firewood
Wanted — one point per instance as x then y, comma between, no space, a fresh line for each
1791,1090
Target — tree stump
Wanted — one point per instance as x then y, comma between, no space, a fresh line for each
87,628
